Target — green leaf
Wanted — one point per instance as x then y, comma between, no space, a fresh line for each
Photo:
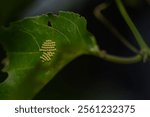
22,41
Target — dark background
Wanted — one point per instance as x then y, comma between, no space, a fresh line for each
89,77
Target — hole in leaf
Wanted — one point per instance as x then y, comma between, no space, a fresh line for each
2,66
3,75
7,25
2,53
49,24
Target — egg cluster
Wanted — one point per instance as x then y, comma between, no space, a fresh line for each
48,49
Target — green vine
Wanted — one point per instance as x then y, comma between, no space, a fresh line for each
143,46
142,54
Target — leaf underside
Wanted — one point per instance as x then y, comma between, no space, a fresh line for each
22,41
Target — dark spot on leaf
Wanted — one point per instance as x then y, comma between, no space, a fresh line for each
49,23
3,76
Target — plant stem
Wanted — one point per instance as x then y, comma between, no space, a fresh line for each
98,13
116,59
131,25
112,58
